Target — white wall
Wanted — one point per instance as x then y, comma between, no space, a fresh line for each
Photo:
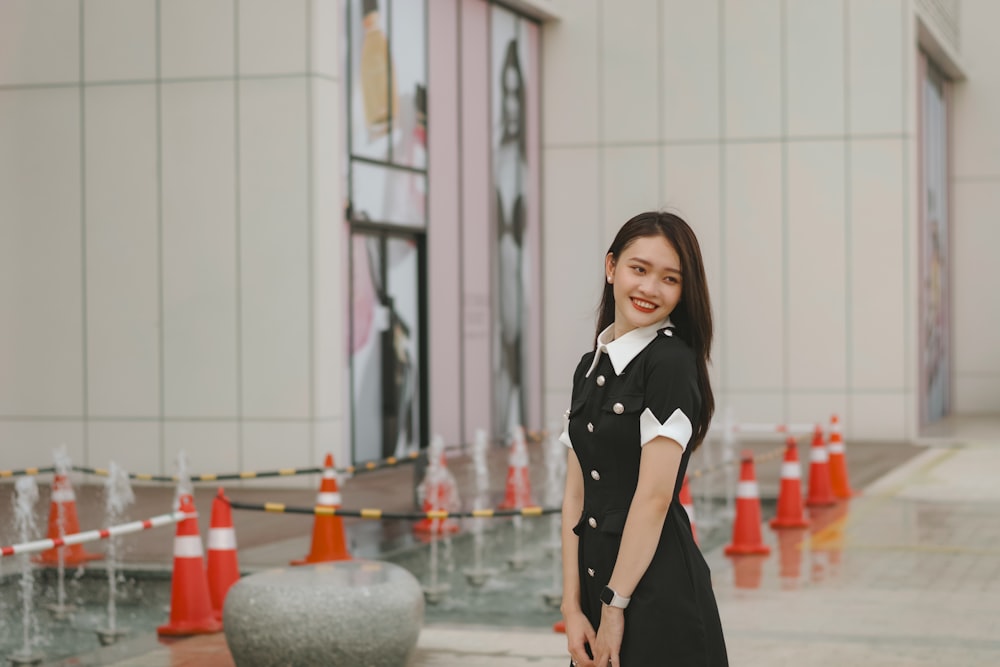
976,213
783,131
170,224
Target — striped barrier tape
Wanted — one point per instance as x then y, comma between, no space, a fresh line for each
94,535
367,513
368,466
25,471
758,458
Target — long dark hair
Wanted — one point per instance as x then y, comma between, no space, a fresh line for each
692,317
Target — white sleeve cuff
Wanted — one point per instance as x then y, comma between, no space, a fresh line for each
564,436
677,427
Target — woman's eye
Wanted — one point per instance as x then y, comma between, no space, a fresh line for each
638,269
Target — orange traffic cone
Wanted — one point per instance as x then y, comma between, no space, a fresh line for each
190,604
328,541
838,462
63,521
688,504
790,512
223,568
437,498
746,526
820,492
518,490
559,626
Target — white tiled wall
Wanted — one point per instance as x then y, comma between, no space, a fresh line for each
752,326
752,68
39,41
197,38
271,36
122,248
41,339
689,65
816,263
200,335
119,41
975,210
170,256
629,57
782,140
274,306
815,67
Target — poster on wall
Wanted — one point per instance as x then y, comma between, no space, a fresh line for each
935,315
385,326
511,279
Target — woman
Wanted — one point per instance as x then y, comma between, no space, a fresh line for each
641,405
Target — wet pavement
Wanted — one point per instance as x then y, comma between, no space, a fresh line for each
907,573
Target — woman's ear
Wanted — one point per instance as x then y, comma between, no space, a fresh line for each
609,268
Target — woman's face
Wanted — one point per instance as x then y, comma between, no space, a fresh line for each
647,282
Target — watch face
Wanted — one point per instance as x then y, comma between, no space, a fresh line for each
607,595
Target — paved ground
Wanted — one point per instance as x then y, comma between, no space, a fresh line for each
907,574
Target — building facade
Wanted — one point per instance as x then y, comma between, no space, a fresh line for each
258,231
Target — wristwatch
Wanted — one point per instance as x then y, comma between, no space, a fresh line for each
612,599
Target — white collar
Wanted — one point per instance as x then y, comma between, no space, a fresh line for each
622,350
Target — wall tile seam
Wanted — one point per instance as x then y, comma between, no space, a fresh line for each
104,419
94,83
84,322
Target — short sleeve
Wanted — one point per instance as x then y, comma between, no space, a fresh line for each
564,436
671,396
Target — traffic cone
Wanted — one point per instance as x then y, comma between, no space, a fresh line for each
820,492
688,504
790,512
63,521
223,568
559,626
190,603
438,497
746,526
517,493
328,540
839,482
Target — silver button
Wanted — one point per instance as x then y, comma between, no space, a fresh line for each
600,380
593,522
596,475
618,408
590,427
590,571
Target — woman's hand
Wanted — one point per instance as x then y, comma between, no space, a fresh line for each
579,634
609,637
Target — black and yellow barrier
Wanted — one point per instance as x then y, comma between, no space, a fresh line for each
232,476
25,472
377,514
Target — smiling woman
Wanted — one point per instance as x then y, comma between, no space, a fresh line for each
635,586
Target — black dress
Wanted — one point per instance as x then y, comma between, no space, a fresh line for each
672,618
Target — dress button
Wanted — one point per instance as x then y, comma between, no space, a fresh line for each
590,427
618,408
600,380
590,571
593,522
596,475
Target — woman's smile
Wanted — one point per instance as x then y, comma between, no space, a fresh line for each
643,306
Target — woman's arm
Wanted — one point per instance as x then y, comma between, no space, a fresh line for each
579,631
658,466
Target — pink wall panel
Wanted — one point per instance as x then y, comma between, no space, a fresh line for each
444,236
533,376
477,319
